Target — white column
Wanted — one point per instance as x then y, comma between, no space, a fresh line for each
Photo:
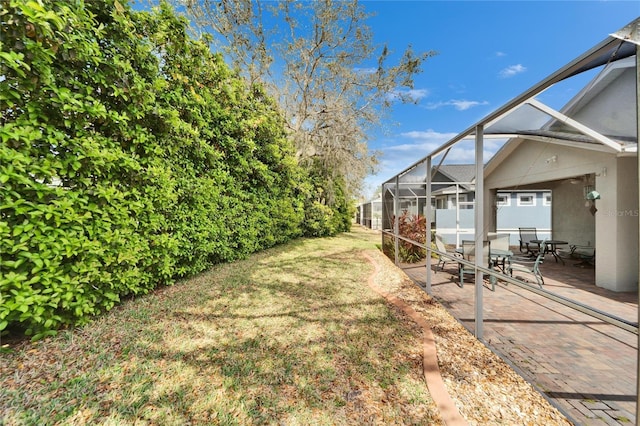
479,234
396,224
457,215
427,214
638,183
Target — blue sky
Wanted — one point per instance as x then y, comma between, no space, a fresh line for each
489,53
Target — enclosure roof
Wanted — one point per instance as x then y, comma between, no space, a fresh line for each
525,116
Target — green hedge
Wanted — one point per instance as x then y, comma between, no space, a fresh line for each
323,218
131,156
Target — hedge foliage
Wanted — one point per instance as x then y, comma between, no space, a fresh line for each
131,156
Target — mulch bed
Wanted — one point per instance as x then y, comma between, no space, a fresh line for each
484,388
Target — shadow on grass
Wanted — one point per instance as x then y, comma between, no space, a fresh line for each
290,335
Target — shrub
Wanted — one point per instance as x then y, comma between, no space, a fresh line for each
131,156
412,227
327,209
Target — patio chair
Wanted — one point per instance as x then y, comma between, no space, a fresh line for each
442,260
532,268
526,236
586,255
499,244
469,253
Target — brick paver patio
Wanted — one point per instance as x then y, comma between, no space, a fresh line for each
585,367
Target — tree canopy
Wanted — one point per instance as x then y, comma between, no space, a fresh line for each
319,60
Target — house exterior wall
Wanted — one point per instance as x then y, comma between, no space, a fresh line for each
448,201
410,205
572,221
623,121
455,228
510,217
613,234
514,215
617,226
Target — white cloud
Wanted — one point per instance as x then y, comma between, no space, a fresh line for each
417,93
462,105
410,147
462,155
459,104
403,151
428,136
512,70
411,95
500,54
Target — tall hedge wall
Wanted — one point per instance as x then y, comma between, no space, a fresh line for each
130,156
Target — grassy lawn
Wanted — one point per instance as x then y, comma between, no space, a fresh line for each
292,335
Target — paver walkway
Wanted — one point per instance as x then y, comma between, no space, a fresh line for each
585,367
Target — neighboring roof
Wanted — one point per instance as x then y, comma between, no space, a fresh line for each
459,172
464,174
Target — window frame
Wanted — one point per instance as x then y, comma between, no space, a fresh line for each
507,197
526,204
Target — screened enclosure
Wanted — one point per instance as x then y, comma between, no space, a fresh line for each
583,153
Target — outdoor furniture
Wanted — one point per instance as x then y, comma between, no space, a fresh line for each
532,268
499,249
469,254
443,260
526,236
586,254
551,246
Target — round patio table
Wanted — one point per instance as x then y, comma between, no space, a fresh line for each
551,246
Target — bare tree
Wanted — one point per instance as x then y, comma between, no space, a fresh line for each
318,58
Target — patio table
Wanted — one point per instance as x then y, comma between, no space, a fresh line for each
496,253
551,246
504,255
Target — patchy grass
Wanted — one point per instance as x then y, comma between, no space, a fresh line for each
292,335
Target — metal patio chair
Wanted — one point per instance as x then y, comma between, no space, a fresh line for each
531,267
442,260
469,253
526,236
500,250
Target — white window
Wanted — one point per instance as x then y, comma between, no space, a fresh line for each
526,199
503,199
546,200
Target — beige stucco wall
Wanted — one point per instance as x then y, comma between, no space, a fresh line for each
571,219
617,226
614,227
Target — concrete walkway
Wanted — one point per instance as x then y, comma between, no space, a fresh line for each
585,367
